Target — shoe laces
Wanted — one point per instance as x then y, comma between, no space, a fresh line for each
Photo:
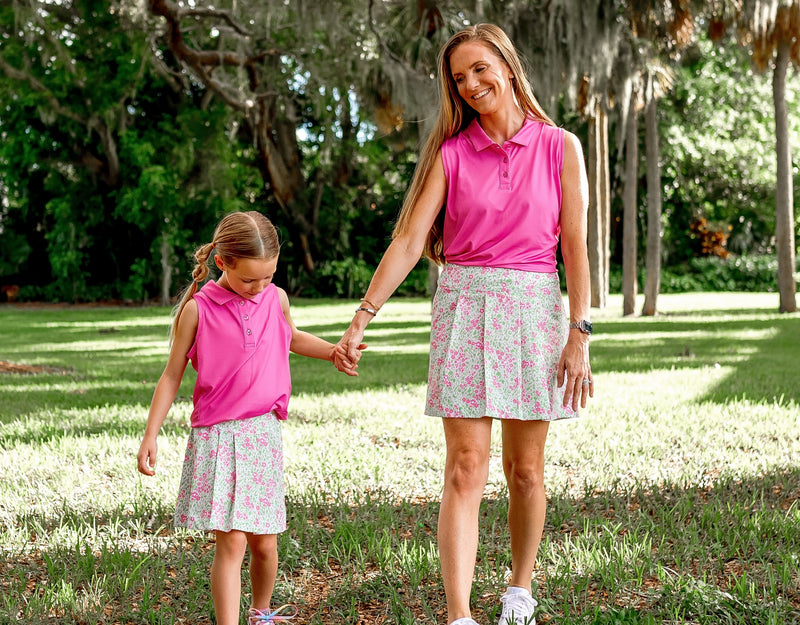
518,608
283,613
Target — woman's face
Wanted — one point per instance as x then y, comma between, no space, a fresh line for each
482,78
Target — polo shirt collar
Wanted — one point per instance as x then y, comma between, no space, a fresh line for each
222,296
480,140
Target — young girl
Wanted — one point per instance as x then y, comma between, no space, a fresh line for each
238,333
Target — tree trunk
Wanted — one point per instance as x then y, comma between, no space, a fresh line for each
599,219
629,243
784,209
166,269
434,271
653,260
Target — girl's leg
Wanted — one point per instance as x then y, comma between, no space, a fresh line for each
226,576
523,463
465,475
263,568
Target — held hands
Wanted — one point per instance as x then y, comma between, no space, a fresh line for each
344,362
351,343
574,369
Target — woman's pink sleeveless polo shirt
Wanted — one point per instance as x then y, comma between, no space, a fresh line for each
241,355
504,202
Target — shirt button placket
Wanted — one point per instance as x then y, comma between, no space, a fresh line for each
248,331
505,178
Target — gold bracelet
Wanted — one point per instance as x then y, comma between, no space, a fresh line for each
364,300
369,310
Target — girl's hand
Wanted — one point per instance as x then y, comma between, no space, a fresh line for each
574,369
344,363
146,458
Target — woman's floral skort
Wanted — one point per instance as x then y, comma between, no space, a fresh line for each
232,478
496,338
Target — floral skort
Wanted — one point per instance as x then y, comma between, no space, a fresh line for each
496,338
232,478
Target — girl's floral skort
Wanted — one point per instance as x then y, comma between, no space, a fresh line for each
496,338
232,478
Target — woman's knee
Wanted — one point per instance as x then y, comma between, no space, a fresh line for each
467,471
524,479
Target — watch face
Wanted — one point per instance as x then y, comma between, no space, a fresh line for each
587,326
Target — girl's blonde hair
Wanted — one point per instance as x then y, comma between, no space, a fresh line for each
455,115
238,235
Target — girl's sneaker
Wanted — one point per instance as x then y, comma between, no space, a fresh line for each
518,608
464,621
283,613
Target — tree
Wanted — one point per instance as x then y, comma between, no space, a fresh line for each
771,30
630,213
653,260
105,166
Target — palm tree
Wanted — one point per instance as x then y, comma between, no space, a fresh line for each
771,30
630,208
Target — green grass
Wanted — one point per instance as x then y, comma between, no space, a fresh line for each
674,499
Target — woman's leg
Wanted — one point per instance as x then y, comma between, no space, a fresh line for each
465,474
263,568
523,463
226,576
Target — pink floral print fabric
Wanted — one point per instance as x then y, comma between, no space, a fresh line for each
496,338
232,478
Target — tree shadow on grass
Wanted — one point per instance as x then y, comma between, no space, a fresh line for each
722,552
762,353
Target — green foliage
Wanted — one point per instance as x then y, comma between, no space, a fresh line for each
74,227
711,273
718,151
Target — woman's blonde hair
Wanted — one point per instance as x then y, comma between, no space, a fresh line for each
455,115
238,235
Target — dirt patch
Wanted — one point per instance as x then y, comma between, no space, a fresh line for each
12,367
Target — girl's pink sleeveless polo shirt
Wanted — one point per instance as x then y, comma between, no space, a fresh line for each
504,202
241,355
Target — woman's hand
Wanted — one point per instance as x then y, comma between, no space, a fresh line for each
343,362
351,342
574,369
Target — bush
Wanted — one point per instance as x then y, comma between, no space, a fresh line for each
711,273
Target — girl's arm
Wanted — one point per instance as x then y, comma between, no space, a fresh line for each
401,256
167,387
306,344
574,363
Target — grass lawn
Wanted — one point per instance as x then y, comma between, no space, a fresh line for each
674,499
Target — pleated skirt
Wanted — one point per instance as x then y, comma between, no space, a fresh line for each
496,339
232,478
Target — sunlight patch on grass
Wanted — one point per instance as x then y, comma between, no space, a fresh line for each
673,498
163,321
133,347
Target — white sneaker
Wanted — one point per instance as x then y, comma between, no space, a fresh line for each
518,609
464,621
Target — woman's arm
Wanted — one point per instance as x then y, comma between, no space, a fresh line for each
574,363
167,387
401,256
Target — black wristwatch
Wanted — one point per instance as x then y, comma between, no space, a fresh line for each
583,325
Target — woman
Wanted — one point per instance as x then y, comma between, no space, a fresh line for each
497,186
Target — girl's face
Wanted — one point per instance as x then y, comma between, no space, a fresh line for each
246,277
482,78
